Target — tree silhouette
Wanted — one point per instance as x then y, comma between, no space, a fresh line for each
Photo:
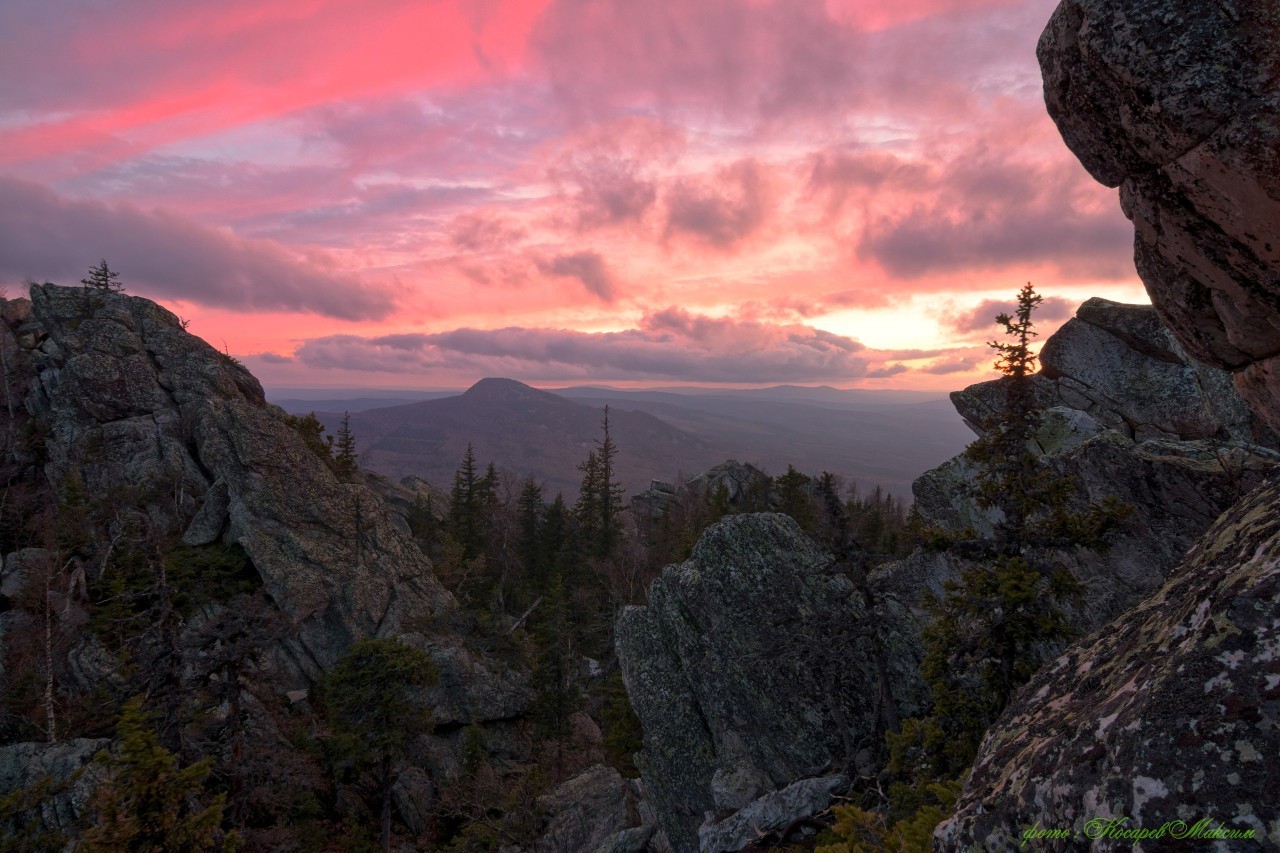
103,277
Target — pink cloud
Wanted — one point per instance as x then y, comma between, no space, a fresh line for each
164,74
981,318
588,268
720,211
46,236
548,165
671,345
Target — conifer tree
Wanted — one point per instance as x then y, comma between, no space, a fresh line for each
423,524
587,509
345,459
600,497
463,512
994,625
150,803
102,277
529,511
313,436
372,697
555,532
611,494
793,498
488,503
553,681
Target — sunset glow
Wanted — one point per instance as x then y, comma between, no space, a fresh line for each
420,194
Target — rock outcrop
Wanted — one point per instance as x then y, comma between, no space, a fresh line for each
67,768
130,405
1169,715
743,486
595,810
1119,365
756,665
1127,414
1175,103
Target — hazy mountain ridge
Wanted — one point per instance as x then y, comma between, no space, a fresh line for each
876,437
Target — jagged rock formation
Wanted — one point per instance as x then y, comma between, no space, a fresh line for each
1119,365
67,767
753,666
741,484
1127,414
594,811
130,404
1172,712
1175,103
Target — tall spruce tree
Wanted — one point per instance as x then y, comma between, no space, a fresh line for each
587,509
345,459
994,626
600,497
611,494
373,700
529,512
463,512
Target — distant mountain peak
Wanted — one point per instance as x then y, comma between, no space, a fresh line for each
497,388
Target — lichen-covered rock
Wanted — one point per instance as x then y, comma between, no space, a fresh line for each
1126,415
1171,713
131,405
587,811
755,665
772,813
1117,364
71,773
1175,102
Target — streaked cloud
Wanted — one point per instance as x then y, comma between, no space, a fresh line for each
45,236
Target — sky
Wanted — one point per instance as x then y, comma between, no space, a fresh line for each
410,194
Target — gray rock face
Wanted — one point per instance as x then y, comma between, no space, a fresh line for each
753,666
134,405
773,812
1127,414
596,808
1172,713
740,482
1117,364
68,765
1175,103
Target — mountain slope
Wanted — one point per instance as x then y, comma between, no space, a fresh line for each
524,431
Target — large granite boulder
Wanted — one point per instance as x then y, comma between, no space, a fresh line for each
1175,102
743,486
1127,414
595,809
64,772
131,405
1169,715
755,665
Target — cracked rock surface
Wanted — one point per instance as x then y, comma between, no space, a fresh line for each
1127,414
1171,712
1175,103
130,403
755,665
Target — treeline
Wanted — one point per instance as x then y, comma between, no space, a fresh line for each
115,629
